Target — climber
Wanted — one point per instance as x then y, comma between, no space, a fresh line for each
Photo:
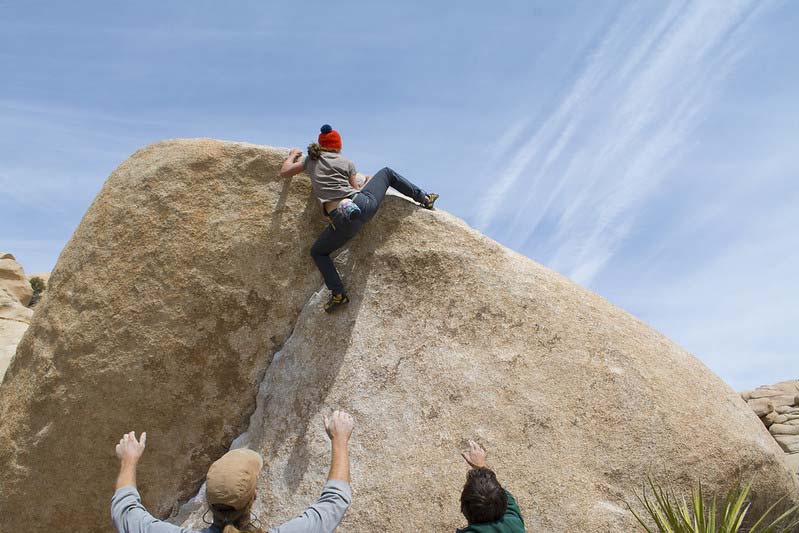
346,204
230,489
488,507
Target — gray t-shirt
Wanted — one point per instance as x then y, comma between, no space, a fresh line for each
330,176
130,516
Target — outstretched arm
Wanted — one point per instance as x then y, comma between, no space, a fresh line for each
293,164
127,512
328,511
129,451
339,428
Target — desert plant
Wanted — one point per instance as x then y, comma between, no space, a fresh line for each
673,514
38,285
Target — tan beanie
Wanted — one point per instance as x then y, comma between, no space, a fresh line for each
231,478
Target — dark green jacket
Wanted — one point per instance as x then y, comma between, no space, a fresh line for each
511,521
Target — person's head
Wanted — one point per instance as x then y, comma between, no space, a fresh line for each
329,141
230,488
483,499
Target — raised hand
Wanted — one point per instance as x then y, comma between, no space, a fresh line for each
476,456
339,426
129,449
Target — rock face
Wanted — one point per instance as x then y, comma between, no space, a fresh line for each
190,271
14,316
185,275
12,309
778,407
11,331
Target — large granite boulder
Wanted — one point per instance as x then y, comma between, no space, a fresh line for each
184,277
452,337
186,293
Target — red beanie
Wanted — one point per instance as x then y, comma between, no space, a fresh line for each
329,138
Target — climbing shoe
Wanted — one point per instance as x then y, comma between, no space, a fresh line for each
336,301
430,200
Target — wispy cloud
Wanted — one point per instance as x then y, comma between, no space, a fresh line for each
57,112
614,135
555,122
738,310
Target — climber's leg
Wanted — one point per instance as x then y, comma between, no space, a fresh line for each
374,191
332,238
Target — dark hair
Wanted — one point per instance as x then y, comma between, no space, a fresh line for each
247,529
234,529
315,150
234,520
483,499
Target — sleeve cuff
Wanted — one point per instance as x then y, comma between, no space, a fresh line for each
127,490
342,487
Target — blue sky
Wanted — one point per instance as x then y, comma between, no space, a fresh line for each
644,149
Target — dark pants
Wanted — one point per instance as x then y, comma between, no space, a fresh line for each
368,200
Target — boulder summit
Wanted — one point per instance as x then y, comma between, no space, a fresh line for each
186,305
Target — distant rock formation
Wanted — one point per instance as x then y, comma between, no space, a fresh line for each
778,407
186,305
15,294
12,278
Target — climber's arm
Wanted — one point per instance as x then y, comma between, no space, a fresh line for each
293,164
